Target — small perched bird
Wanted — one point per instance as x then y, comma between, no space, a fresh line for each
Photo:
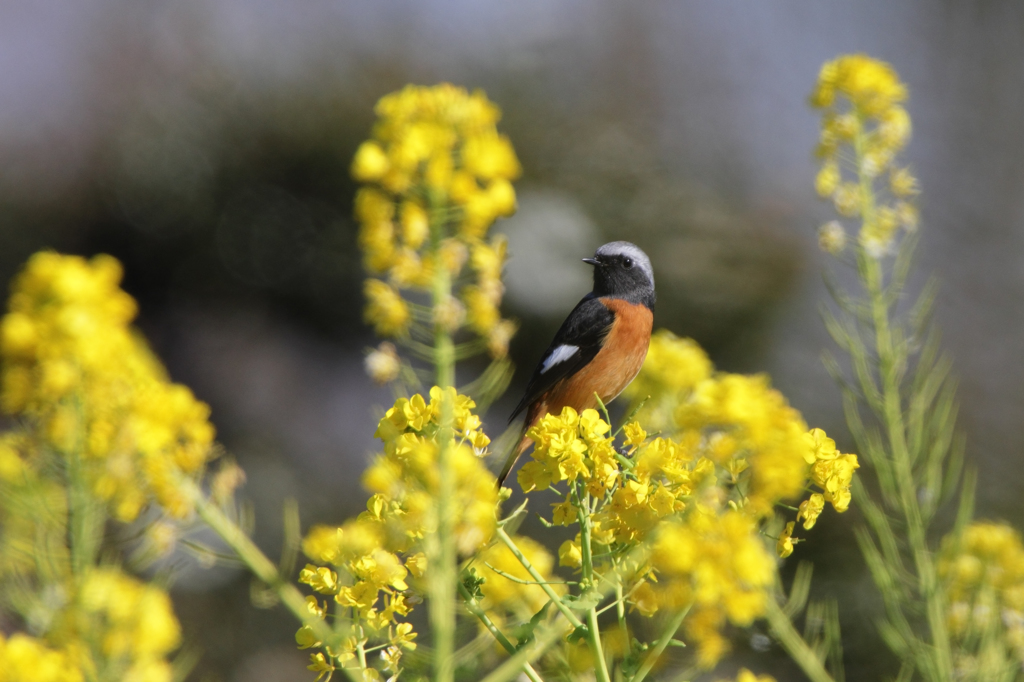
601,345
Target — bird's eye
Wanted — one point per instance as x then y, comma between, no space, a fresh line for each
627,263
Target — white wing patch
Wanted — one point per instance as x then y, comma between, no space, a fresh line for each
560,354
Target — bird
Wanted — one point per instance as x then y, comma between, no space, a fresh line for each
600,347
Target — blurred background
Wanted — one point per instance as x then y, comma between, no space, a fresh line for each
207,144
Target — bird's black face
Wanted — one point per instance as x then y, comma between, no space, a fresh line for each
622,270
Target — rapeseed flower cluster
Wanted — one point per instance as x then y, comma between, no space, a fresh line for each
366,565
27,659
741,427
716,561
862,99
118,628
90,390
112,627
982,574
703,492
436,175
673,366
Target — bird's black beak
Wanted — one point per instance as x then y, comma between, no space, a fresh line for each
592,261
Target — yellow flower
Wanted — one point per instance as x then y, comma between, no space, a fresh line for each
828,179
871,85
323,544
848,199
370,162
499,337
832,237
67,340
810,510
305,638
417,564
321,579
784,546
819,446
635,434
386,310
644,600
383,363
438,163
415,224
482,313
862,101
718,563
403,636
835,477
126,623
449,314
983,585
321,665
558,453
903,183
27,659
570,554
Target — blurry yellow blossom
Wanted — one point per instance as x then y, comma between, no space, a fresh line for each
982,576
499,592
437,175
832,237
90,386
718,563
871,85
673,366
828,179
902,183
127,627
370,162
27,659
864,127
386,310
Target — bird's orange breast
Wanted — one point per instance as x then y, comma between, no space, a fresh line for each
614,366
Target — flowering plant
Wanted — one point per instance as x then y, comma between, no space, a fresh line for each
677,518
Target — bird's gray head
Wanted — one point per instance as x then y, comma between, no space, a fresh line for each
623,270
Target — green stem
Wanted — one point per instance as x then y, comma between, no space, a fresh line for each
441,551
794,644
262,567
666,636
905,483
593,631
361,647
515,664
474,608
86,515
892,407
86,519
555,599
620,606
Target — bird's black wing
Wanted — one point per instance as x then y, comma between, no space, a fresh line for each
577,342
